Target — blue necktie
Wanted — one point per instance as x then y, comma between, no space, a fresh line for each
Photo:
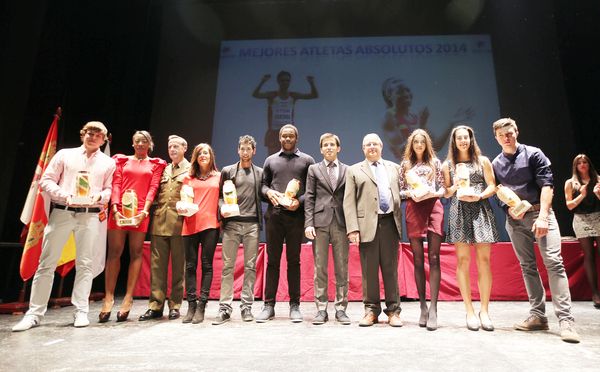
382,182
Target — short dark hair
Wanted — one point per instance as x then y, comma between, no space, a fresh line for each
247,139
283,73
288,126
504,122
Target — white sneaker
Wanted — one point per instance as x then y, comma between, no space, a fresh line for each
28,321
81,319
568,332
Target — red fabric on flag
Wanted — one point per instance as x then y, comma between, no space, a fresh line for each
38,214
64,269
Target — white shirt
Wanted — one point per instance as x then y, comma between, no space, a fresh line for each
59,178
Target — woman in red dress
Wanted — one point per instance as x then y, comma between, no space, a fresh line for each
201,228
424,218
140,173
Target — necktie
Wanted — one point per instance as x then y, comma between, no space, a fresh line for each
382,182
331,172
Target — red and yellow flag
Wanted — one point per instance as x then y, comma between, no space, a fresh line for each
35,211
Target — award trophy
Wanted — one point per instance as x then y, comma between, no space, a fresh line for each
464,183
82,189
290,192
419,189
187,201
129,208
511,199
230,208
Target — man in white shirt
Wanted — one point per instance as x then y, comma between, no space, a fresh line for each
66,216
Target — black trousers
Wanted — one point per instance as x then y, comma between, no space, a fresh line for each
288,227
208,239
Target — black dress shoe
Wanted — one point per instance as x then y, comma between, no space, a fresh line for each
150,314
174,314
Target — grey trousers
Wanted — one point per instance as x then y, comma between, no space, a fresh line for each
234,233
336,235
522,239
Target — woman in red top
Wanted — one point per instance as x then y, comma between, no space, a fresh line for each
201,228
140,173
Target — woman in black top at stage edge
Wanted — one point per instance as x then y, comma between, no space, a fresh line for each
582,193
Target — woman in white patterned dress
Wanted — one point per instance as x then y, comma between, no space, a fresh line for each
471,220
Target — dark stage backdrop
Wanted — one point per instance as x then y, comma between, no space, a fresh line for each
465,61
154,64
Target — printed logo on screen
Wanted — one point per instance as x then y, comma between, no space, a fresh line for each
227,52
481,46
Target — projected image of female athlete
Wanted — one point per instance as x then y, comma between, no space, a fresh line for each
400,121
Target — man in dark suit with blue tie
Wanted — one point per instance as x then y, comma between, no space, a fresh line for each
325,224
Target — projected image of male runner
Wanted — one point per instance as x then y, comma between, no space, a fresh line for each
281,104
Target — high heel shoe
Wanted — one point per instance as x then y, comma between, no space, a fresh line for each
104,316
432,321
423,318
472,323
596,301
486,323
123,315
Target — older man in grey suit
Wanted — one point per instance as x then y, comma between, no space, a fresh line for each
374,221
324,222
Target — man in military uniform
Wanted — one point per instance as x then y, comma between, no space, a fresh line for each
166,236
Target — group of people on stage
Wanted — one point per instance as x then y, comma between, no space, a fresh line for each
328,202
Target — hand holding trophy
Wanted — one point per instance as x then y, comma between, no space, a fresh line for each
290,193
418,188
186,206
463,181
508,197
129,209
230,208
82,190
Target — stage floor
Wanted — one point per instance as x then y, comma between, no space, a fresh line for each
277,345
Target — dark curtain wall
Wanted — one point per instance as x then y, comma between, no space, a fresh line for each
95,59
578,25
20,29
124,63
527,57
